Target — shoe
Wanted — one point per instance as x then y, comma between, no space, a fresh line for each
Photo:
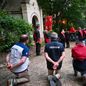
75,73
58,76
51,80
50,77
21,80
56,79
84,76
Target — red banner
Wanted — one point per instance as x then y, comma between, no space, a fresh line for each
48,23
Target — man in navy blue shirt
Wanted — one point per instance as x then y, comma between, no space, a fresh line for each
54,54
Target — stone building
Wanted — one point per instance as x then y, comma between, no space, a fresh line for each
25,9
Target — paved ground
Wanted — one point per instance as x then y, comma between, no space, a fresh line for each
38,71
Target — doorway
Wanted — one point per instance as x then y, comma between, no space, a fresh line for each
35,21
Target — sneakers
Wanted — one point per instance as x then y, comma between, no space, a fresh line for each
84,76
50,77
54,80
58,76
75,73
20,81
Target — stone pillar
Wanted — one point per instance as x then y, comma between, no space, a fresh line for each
24,6
41,22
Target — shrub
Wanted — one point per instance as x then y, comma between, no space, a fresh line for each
10,30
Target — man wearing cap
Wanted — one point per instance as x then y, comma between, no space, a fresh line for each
54,54
17,59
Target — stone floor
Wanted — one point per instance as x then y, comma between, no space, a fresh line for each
38,71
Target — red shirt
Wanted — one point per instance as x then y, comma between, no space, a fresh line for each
72,30
79,52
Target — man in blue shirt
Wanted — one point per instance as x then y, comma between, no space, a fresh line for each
17,59
54,54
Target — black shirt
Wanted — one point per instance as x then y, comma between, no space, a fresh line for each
36,35
54,50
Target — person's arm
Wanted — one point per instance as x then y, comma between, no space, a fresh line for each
56,64
61,58
48,58
8,58
22,60
11,66
8,61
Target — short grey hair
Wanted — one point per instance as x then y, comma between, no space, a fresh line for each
54,35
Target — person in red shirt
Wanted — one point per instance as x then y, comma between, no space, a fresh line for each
46,36
72,32
79,58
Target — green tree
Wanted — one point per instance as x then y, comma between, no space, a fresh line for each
69,10
10,30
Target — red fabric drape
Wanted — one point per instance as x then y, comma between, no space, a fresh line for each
48,23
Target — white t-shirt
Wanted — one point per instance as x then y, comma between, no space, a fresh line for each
16,55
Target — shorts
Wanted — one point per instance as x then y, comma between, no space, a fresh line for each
50,65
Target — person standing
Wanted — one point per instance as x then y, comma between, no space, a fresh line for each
54,54
72,32
46,36
62,37
84,33
17,60
67,39
36,36
80,34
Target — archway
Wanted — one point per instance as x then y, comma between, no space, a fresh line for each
35,21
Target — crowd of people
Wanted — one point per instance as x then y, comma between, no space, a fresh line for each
65,36
54,52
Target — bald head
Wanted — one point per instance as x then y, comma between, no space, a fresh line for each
23,38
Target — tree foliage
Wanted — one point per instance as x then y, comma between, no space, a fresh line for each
11,29
71,10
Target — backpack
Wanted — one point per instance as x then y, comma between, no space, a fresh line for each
79,52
